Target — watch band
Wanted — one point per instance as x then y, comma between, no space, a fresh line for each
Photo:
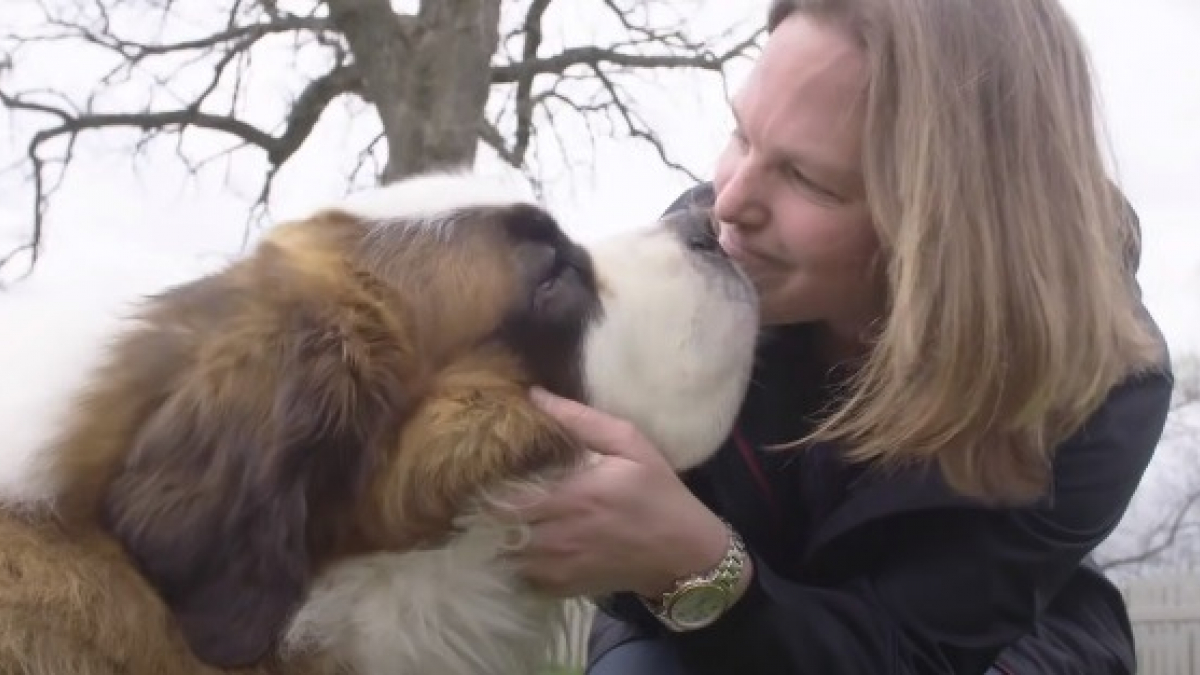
698,600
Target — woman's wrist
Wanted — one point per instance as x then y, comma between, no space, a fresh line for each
699,595
693,548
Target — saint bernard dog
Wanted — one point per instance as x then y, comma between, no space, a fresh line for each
279,467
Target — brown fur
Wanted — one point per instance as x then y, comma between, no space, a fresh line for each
323,397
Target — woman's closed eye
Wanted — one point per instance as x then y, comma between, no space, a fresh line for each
798,177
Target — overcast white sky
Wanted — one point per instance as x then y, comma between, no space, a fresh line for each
117,232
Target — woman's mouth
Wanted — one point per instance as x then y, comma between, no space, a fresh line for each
739,253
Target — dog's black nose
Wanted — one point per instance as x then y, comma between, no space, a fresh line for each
697,228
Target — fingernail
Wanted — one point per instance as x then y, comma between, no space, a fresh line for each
540,396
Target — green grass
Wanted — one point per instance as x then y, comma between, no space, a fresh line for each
563,670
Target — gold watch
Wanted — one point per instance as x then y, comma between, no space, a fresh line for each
698,600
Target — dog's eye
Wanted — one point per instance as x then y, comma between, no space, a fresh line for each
700,233
703,242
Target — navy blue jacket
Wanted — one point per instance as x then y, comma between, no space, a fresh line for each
856,573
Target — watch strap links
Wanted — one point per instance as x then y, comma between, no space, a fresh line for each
721,581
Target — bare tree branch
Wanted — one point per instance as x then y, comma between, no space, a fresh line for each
135,52
1168,536
165,119
303,117
428,77
524,99
307,109
598,56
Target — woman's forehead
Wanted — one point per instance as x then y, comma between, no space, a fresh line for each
803,103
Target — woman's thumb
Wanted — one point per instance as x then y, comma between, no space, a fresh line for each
600,432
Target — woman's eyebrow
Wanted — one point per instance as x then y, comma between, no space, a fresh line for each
808,162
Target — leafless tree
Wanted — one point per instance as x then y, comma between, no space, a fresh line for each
1164,526
440,77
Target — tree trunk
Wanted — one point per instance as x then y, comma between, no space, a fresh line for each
429,76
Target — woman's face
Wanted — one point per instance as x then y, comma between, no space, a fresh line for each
789,188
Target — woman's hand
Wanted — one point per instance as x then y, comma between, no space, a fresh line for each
624,522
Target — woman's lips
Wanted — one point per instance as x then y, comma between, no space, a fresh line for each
740,253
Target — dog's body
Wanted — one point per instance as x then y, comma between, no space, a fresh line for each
278,469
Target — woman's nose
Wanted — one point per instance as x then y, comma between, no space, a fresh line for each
739,199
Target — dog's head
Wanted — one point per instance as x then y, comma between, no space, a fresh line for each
356,380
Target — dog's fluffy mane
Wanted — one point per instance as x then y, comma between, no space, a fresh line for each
275,468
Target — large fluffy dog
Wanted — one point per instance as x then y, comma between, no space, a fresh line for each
277,468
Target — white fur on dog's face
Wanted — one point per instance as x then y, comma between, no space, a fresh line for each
672,350
436,194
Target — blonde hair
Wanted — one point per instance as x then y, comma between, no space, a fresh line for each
1012,309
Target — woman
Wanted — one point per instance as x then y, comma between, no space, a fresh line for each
958,389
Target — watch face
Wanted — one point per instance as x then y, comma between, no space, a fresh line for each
698,606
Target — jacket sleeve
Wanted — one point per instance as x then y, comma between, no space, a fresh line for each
903,611
1085,631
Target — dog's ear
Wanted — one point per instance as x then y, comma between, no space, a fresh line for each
265,428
